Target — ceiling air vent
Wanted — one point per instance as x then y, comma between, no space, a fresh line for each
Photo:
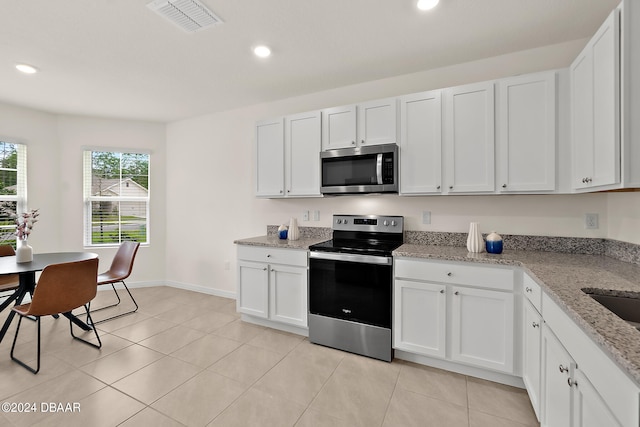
190,15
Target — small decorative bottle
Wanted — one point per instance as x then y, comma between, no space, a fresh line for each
293,233
282,232
475,243
494,243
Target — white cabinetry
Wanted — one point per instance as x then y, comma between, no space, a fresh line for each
469,138
270,158
302,155
557,369
595,109
532,342
480,332
288,156
370,123
420,317
527,133
272,284
421,143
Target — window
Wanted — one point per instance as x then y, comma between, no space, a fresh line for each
13,188
116,194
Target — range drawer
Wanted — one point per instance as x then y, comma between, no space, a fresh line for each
533,292
273,255
455,273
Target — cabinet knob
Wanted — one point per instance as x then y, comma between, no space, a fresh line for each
584,180
449,274
280,191
456,293
288,191
268,255
264,269
535,325
438,187
589,180
504,185
528,289
353,143
572,382
362,141
442,291
563,369
451,187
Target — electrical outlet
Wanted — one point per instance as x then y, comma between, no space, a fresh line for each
316,215
305,215
426,217
591,221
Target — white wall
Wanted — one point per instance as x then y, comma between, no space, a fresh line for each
54,168
210,178
623,217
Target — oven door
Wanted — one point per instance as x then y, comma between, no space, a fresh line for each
351,287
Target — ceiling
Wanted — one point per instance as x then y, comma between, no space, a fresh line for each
117,58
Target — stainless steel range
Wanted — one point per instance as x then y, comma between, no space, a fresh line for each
350,285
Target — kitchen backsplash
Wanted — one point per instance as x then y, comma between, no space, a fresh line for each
623,251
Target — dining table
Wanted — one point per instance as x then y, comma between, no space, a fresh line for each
27,280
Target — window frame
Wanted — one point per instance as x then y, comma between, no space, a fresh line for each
20,198
89,199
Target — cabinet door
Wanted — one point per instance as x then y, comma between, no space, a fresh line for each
339,127
288,295
419,314
482,328
606,104
527,133
589,410
595,108
531,355
557,366
469,138
302,138
421,143
377,122
253,289
270,158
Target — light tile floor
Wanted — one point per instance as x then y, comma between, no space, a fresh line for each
187,359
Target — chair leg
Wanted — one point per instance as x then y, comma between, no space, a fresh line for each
90,323
111,305
13,346
121,314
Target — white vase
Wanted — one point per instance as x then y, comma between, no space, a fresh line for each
475,243
24,252
293,233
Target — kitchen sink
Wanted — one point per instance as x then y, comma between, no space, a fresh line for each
628,309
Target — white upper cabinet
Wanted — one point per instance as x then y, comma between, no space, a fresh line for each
339,127
421,143
370,123
270,158
469,138
302,155
527,133
595,109
377,122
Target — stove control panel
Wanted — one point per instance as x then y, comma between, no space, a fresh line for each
369,223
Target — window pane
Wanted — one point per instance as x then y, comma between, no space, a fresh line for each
114,222
8,223
8,156
136,167
8,182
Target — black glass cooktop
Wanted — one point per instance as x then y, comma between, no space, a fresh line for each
368,247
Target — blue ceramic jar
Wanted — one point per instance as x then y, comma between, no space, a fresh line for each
494,243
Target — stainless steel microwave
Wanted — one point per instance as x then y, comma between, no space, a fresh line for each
370,169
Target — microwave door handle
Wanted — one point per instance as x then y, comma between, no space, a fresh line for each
379,168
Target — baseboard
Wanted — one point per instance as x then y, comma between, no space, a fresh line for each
185,286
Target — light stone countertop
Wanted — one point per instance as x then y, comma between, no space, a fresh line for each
275,242
562,277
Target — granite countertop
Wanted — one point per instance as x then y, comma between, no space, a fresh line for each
275,242
563,276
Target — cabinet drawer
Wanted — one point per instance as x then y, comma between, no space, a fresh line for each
273,255
455,273
533,292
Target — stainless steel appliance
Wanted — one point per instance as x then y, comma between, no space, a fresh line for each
350,285
370,169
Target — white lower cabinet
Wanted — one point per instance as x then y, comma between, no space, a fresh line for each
441,310
589,409
557,367
531,355
272,284
482,328
420,317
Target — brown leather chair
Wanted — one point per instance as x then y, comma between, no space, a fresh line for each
120,269
60,289
8,282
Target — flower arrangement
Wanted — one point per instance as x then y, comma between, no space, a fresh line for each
25,222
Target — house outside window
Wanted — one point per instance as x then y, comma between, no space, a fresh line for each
13,188
116,194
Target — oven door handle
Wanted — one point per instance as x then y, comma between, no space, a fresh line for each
365,259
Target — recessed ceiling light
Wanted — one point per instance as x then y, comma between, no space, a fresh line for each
27,69
427,4
262,51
